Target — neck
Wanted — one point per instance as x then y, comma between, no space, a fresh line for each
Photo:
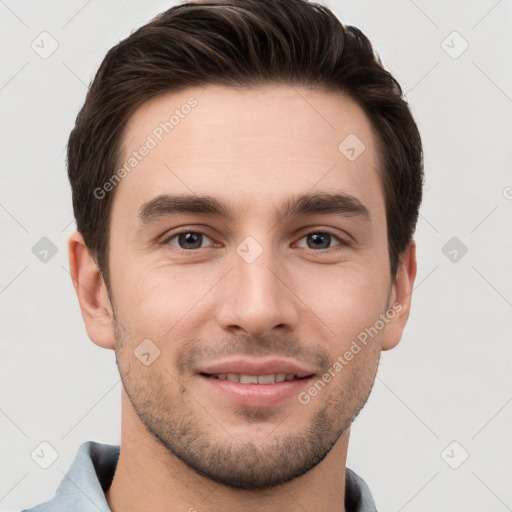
149,477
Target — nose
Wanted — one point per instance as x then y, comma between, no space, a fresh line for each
258,297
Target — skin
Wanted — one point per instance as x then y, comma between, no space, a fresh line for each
183,445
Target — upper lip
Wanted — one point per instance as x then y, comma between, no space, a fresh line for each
256,367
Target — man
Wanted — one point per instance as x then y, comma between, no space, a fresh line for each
246,182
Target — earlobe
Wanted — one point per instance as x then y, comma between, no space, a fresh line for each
400,298
91,293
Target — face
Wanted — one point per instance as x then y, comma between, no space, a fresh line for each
248,252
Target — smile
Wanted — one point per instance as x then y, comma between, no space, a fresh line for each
254,379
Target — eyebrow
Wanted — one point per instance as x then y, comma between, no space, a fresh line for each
164,205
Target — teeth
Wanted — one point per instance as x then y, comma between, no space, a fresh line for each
254,379
248,379
266,379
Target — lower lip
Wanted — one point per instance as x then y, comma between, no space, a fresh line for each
256,395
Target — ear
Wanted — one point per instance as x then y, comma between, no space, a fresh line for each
400,298
91,293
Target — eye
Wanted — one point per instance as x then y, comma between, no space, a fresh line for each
187,240
321,240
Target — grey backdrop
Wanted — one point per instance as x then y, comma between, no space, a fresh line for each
436,432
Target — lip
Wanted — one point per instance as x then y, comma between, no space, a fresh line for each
257,367
255,395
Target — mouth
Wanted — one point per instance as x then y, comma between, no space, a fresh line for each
271,378
254,383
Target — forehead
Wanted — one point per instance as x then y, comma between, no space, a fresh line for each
254,145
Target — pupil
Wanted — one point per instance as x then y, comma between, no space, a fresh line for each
319,238
190,238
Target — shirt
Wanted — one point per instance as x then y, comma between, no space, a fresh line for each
91,473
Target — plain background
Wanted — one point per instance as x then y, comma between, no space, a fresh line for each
449,380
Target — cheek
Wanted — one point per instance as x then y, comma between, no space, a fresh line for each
162,302
158,302
346,300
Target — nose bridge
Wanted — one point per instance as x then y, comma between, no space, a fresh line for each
258,281
256,299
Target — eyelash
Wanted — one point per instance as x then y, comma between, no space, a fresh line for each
165,242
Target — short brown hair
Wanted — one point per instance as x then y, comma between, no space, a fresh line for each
241,43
